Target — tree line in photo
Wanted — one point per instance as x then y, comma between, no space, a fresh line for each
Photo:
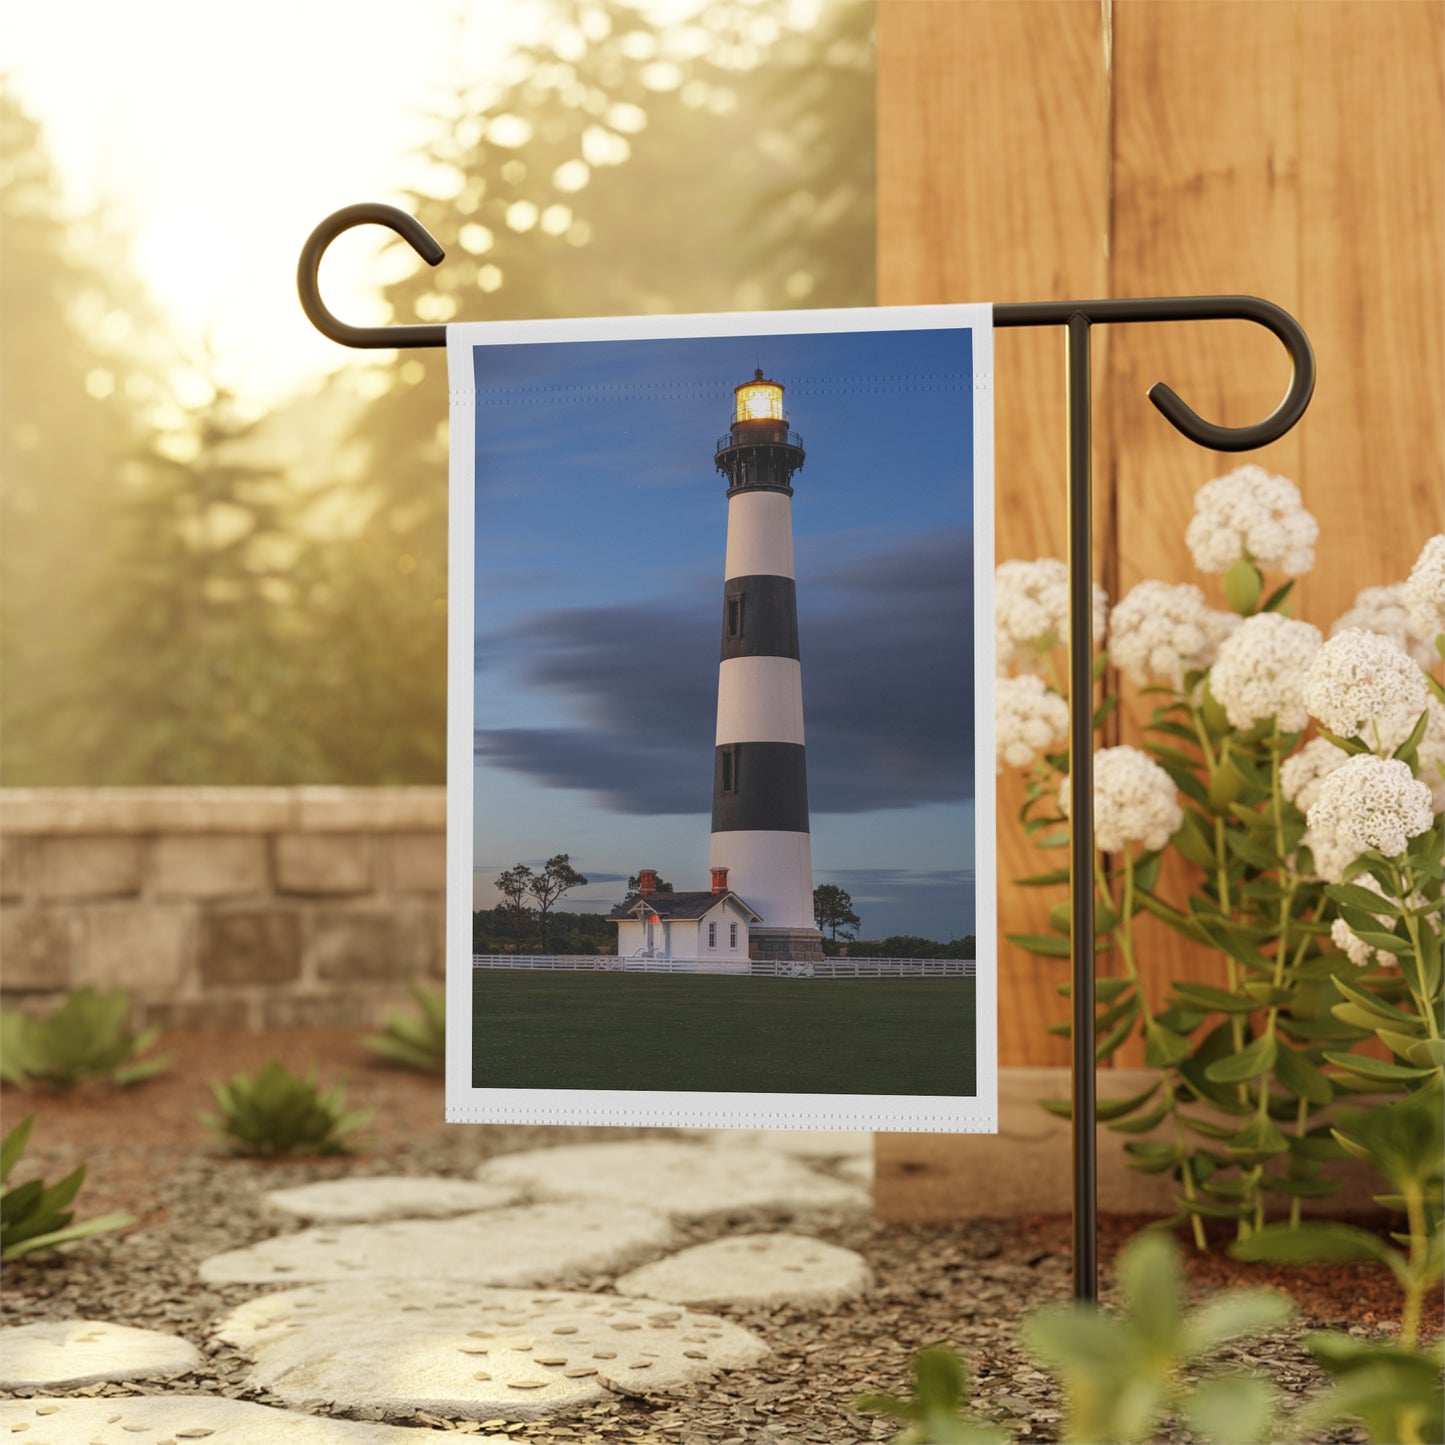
527,920
192,593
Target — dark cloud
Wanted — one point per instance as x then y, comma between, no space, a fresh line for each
887,689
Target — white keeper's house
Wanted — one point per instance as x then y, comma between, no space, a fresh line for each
709,928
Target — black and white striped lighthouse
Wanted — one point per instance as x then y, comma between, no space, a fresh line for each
760,783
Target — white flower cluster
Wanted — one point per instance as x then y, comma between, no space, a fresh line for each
1261,669
1301,773
1253,515
1361,684
1370,802
1354,947
1331,855
1028,719
1425,590
1162,631
1031,612
1383,610
1135,801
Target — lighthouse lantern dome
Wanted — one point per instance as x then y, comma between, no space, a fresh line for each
759,400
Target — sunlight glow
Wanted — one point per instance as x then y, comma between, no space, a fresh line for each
218,171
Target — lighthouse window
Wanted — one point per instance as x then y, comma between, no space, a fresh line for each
732,935
735,614
730,770
712,935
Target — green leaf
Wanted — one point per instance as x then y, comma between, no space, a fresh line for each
1152,1156
1275,600
100,1225
1372,1004
1163,1047
13,1146
1312,1243
1260,1139
1044,880
1408,750
1427,1053
1232,1409
1363,899
1216,1000
1369,1068
1042,943
1386,942
1349,745
1231,1314
1142,1123
1301,1077
1242,586
1249,1063
1106,990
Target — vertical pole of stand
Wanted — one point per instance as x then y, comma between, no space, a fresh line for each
1081,811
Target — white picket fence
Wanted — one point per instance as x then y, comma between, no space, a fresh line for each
757,968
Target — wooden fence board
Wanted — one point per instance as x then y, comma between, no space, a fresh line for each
1294,150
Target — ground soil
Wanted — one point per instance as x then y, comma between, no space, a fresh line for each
149,1154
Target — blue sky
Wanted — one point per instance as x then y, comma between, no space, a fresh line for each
600,533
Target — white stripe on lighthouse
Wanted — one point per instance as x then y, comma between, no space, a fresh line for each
772,872
760,700
760,535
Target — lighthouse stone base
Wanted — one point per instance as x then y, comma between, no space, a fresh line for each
785,945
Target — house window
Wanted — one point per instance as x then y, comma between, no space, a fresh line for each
712,935
732,935
736,603
730,770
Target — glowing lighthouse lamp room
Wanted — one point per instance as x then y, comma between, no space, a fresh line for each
761,854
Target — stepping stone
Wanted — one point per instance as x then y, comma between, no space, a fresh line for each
801,1143
753,1269
528,1244
474,1353
687,1180
183,1419
349,1201
89,1352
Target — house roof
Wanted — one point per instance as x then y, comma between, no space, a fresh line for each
677,905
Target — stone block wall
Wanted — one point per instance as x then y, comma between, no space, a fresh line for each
223,907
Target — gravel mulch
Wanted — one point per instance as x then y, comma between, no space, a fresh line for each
967,1283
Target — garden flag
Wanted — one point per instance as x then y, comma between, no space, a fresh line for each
720,762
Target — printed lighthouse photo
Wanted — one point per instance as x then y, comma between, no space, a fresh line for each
724,794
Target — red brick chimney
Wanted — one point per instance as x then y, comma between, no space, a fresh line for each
646,881
719,880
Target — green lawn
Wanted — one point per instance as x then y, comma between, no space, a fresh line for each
567,1030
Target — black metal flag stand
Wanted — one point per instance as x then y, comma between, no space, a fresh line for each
1077,317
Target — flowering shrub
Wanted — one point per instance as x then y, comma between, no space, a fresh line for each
1315,859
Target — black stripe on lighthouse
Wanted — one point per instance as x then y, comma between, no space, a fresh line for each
760,617
759,787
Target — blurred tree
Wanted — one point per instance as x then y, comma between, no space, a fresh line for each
203,648
71,407
618,167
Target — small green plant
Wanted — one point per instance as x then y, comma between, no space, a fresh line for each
419,1041
278,1112
1121,1372
85,1039
33,1215
1393,1387
936,1413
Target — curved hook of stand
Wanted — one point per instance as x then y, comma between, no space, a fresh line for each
1179,413
367,213
1291,408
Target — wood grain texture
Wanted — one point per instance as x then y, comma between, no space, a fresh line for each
992,186
1291,150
